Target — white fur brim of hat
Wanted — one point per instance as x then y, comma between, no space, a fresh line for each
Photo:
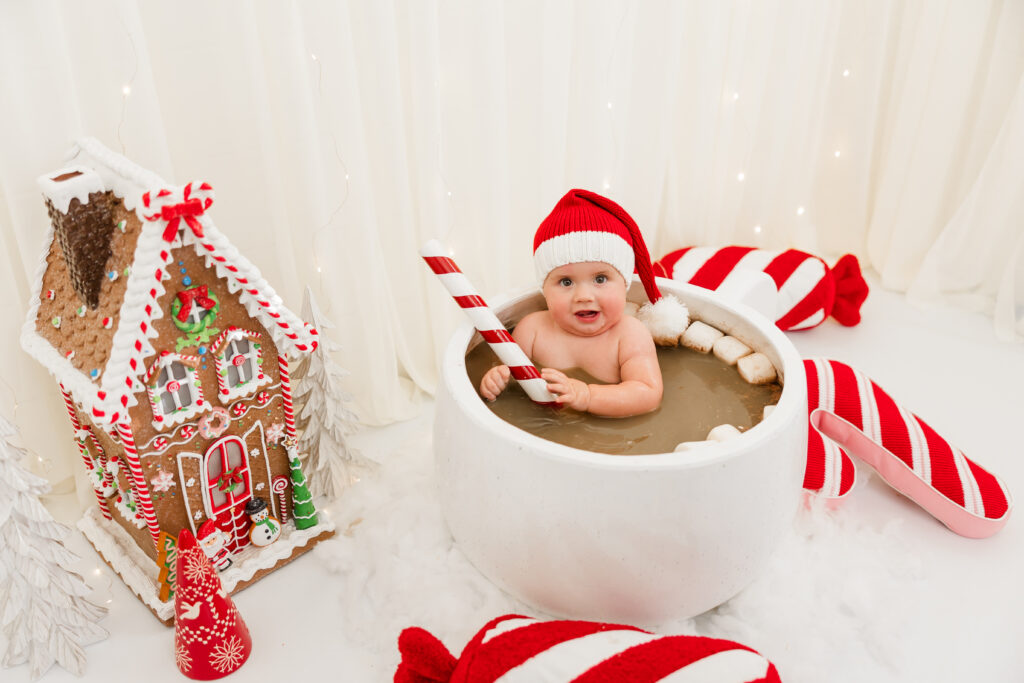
583,246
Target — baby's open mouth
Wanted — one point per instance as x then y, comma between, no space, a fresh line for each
587,316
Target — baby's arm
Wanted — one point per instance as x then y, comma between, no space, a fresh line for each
496,379
639,390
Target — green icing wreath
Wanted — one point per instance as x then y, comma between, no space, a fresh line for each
197,332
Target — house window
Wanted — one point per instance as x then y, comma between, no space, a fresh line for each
228,482
239,363
175,388
241,356
175,392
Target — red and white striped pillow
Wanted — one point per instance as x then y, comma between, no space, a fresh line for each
853,413
808,290
517,649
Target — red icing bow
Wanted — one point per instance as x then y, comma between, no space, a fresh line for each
198,294
178,205
227,481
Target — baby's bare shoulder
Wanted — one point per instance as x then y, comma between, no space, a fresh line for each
532,322
634,337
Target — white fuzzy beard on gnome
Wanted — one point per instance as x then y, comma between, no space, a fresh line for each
831,605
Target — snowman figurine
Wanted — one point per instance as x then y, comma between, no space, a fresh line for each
213,541
265,528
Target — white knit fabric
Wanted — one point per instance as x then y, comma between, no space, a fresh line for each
583,246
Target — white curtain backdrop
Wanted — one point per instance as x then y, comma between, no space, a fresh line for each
340,136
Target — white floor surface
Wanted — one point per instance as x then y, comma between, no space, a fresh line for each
876,590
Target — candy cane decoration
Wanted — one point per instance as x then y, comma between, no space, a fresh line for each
286,395
131,456
487,323
89,465
280,487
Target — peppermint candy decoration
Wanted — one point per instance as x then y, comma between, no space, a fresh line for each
239,409
174,206
809,291
263,397
516,648
855,415
160,444
188,431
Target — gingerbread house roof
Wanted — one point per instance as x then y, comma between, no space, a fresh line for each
137,266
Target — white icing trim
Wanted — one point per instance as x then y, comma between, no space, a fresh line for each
185,486
266,462
61,192
132,340
141,573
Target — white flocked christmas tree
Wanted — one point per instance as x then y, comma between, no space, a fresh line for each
329,462
45,616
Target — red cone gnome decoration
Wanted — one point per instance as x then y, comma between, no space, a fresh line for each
210,638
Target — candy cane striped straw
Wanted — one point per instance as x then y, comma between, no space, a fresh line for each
486,323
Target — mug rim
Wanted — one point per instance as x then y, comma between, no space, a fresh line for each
792,400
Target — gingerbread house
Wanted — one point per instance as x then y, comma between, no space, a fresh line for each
172,356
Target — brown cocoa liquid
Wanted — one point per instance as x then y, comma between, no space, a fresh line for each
701,392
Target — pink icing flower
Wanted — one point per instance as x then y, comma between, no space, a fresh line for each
163,481
275,432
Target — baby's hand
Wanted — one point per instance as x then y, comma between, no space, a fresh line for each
494,382
569,392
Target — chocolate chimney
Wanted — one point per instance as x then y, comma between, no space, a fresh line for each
81,211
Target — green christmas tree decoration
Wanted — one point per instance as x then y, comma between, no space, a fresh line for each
303,509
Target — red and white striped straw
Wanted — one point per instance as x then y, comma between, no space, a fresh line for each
487,323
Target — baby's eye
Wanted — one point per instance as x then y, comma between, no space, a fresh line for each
565,282
601,279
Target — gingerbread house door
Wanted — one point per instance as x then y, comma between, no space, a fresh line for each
227,485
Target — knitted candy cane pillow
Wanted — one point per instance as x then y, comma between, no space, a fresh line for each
808,290
846,407
519,649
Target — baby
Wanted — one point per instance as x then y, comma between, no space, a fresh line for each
584,254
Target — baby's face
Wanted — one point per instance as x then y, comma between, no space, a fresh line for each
585,299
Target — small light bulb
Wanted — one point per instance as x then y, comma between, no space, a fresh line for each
609,105
837,154
846,72
127,90
318,269
799,211
607,185
757,228
96,571
449,193
740,176
346,176
313,56
735,96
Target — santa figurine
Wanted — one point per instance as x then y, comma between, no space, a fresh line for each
213,541
265,527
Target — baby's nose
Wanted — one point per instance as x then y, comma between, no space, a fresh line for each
584,293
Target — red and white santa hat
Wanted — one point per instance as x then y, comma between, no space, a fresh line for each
584,227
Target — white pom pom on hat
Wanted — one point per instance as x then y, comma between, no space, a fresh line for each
583,227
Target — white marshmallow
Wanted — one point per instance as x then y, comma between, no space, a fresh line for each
730,349
690,446
756,369
723,432
701,336
767,411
